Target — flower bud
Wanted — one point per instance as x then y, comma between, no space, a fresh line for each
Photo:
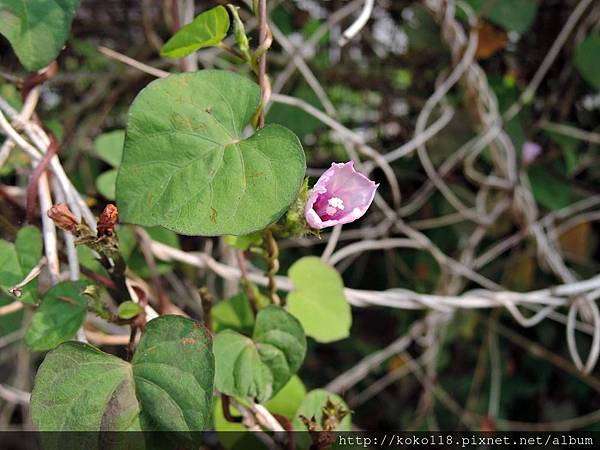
63,217
108,220
531,151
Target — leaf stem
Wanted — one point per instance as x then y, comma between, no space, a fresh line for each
259,58
246,283
265,39
207,303
272,267
232,51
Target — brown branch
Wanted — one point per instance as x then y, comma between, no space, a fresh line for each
38,78
289,428
107,282
227,411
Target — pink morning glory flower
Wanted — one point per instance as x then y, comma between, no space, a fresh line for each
531,151
341,195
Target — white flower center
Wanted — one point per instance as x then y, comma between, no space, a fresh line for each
334,204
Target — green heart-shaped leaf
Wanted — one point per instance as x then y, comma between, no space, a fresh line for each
74,391
318,300
261,366
187,167
37,29
206,30
167,387
60,315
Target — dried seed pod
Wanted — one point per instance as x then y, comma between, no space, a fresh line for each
107,221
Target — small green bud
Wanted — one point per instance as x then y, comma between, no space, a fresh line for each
239,32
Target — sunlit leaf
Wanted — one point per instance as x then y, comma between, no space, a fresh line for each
206,30
318,300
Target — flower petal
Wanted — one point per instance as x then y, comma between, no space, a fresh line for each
531,151
341,195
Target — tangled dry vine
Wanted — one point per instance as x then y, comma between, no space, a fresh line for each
503,191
